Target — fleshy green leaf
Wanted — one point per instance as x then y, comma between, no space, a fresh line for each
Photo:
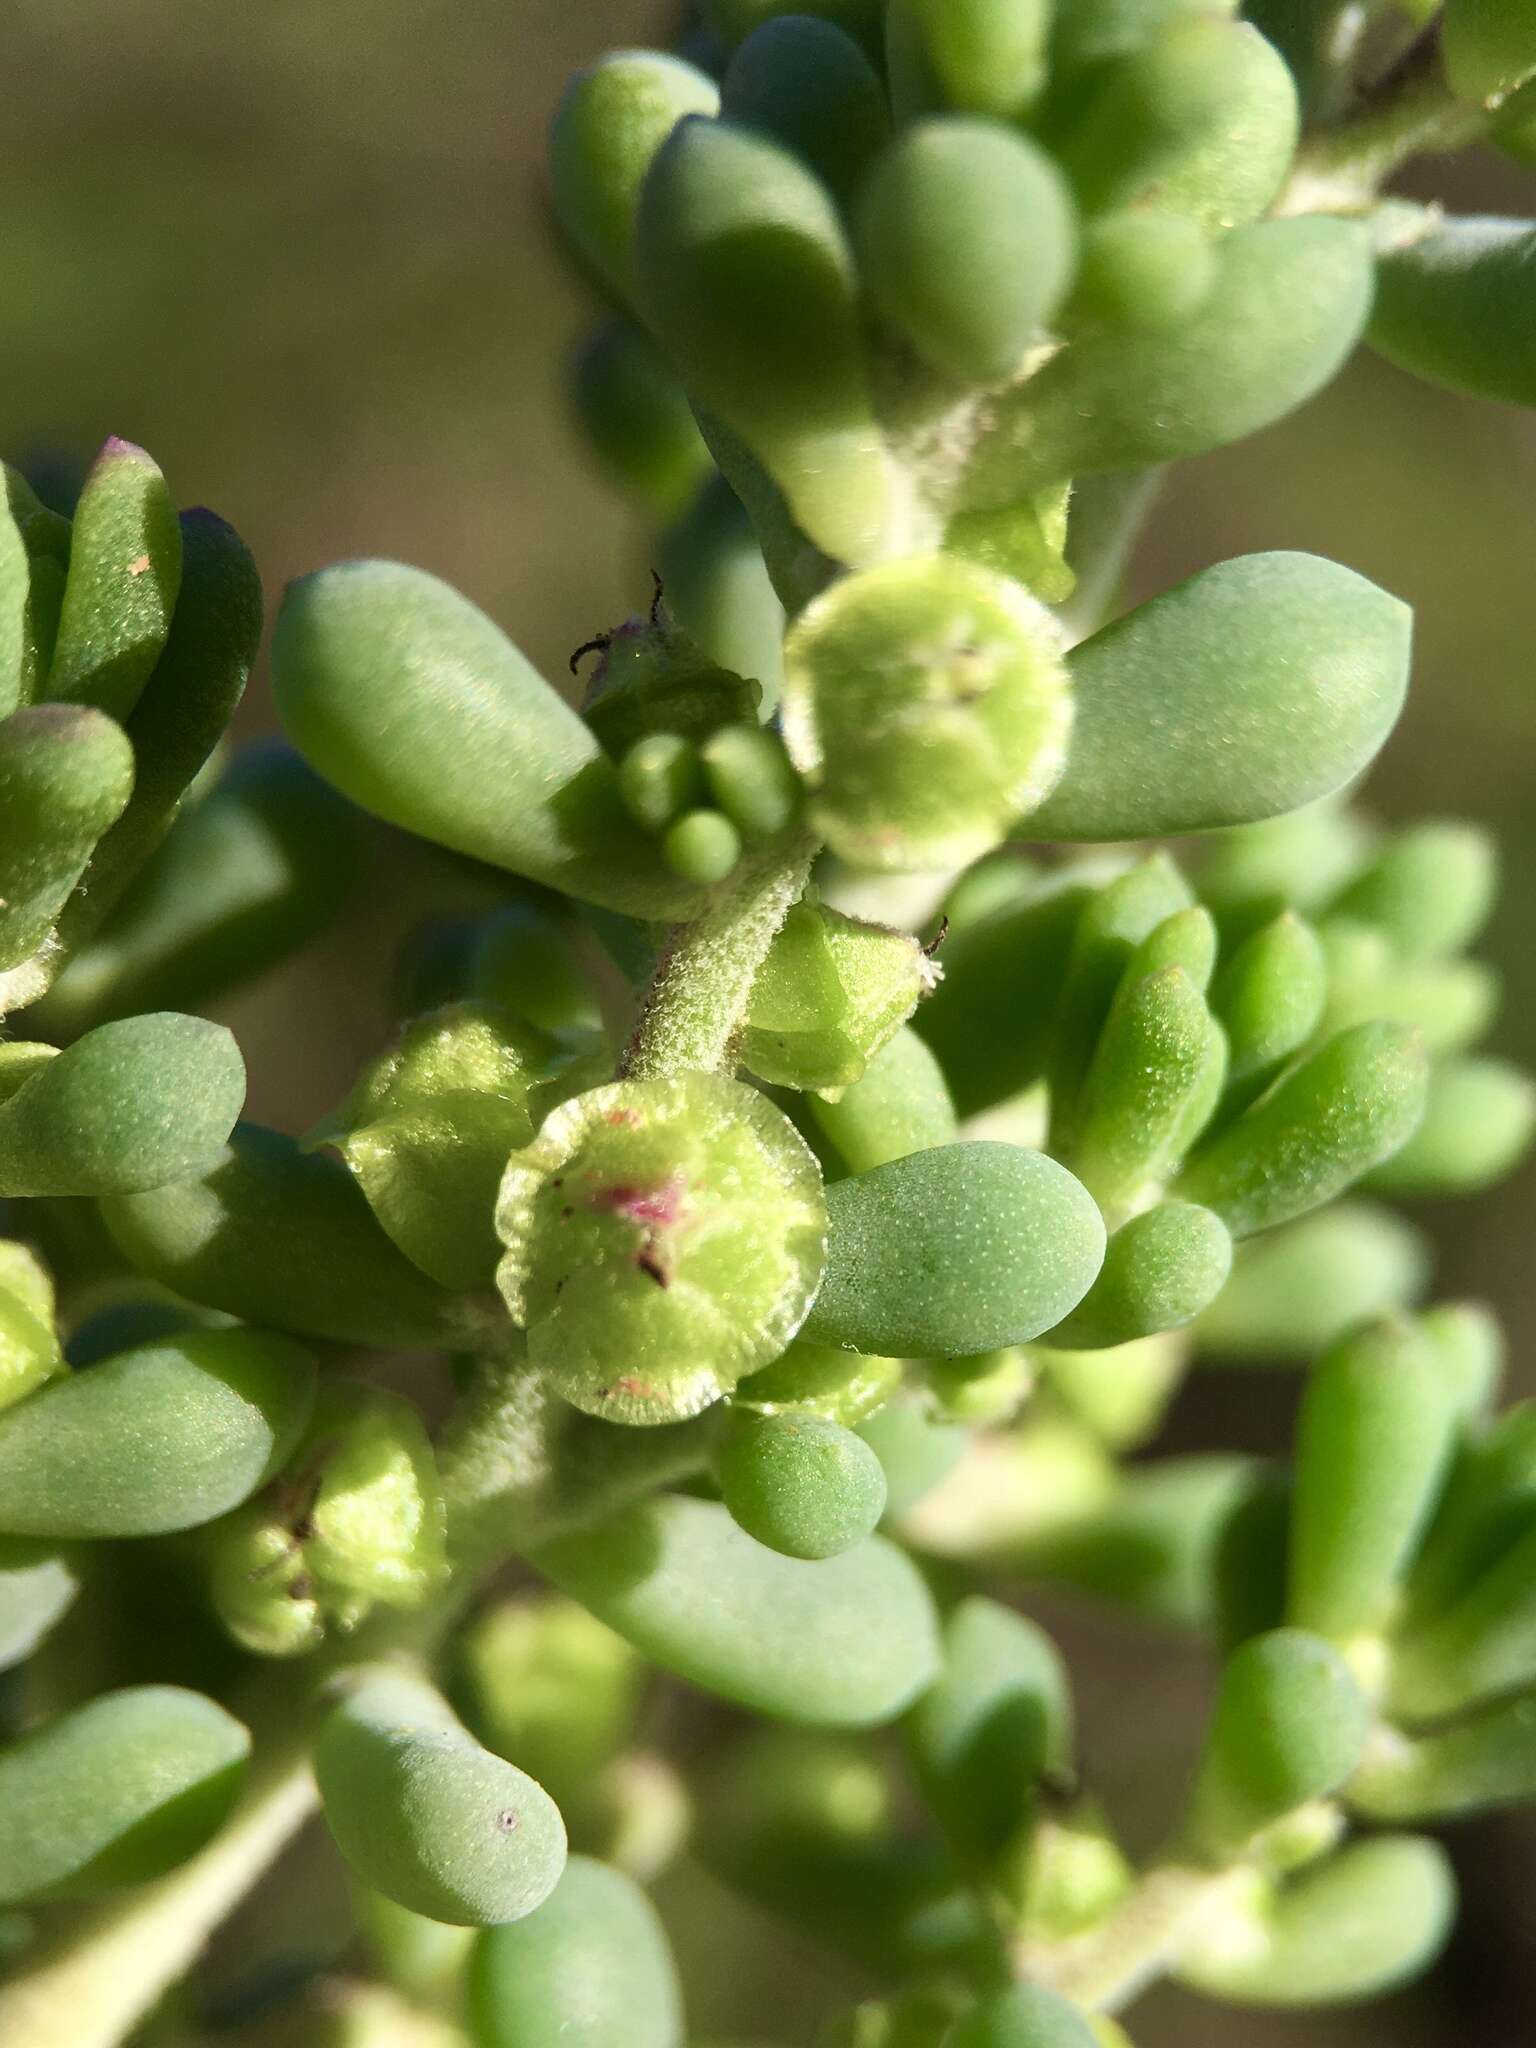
129,1107
804,1486
1023,2016
1161,1269
1289,1726
971,56
1357,1925
116,1791
591,1967
1269,1000
183,709
124,575
29,1343
1489,46
428,1817
1155,1077
1141,270
613,119
1351,1105
420,709
547,1683
38,1584
809,86
966,241
244,878
637,417
734,20
163,1437
1288,303
1295,1292
1455,306
284,1237
1429,888
66,773
718,588
746,276
848,1642
955,1251
1372,1443
1487,1760
900,1104
1248,690
1477,1127
1202,121
1484,1643
998,1716
1112,924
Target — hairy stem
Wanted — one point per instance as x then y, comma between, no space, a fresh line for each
519,1466
1408,112
96,1980
695,1006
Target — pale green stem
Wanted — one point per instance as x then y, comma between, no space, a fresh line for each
1106,1968
88,1989
697,1003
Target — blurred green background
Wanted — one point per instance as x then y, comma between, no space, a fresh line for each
298,249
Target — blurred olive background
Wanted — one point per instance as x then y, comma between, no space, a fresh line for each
298,249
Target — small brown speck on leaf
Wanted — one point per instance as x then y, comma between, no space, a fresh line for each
139,566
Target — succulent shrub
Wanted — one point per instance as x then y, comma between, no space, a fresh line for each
823,1123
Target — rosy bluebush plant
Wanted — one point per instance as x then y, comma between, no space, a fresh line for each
834,1130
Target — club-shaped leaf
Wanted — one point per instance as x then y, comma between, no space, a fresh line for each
283,1237
966,239
66,773
614,117
1350,1928
183,709
162,1437
955,1251
420,709
131,1106
124,575
1248,690
116,1791
1288,1727
1372,1443
1289,300
1351,1105
590,1968
428,1817
746,276
845,1643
